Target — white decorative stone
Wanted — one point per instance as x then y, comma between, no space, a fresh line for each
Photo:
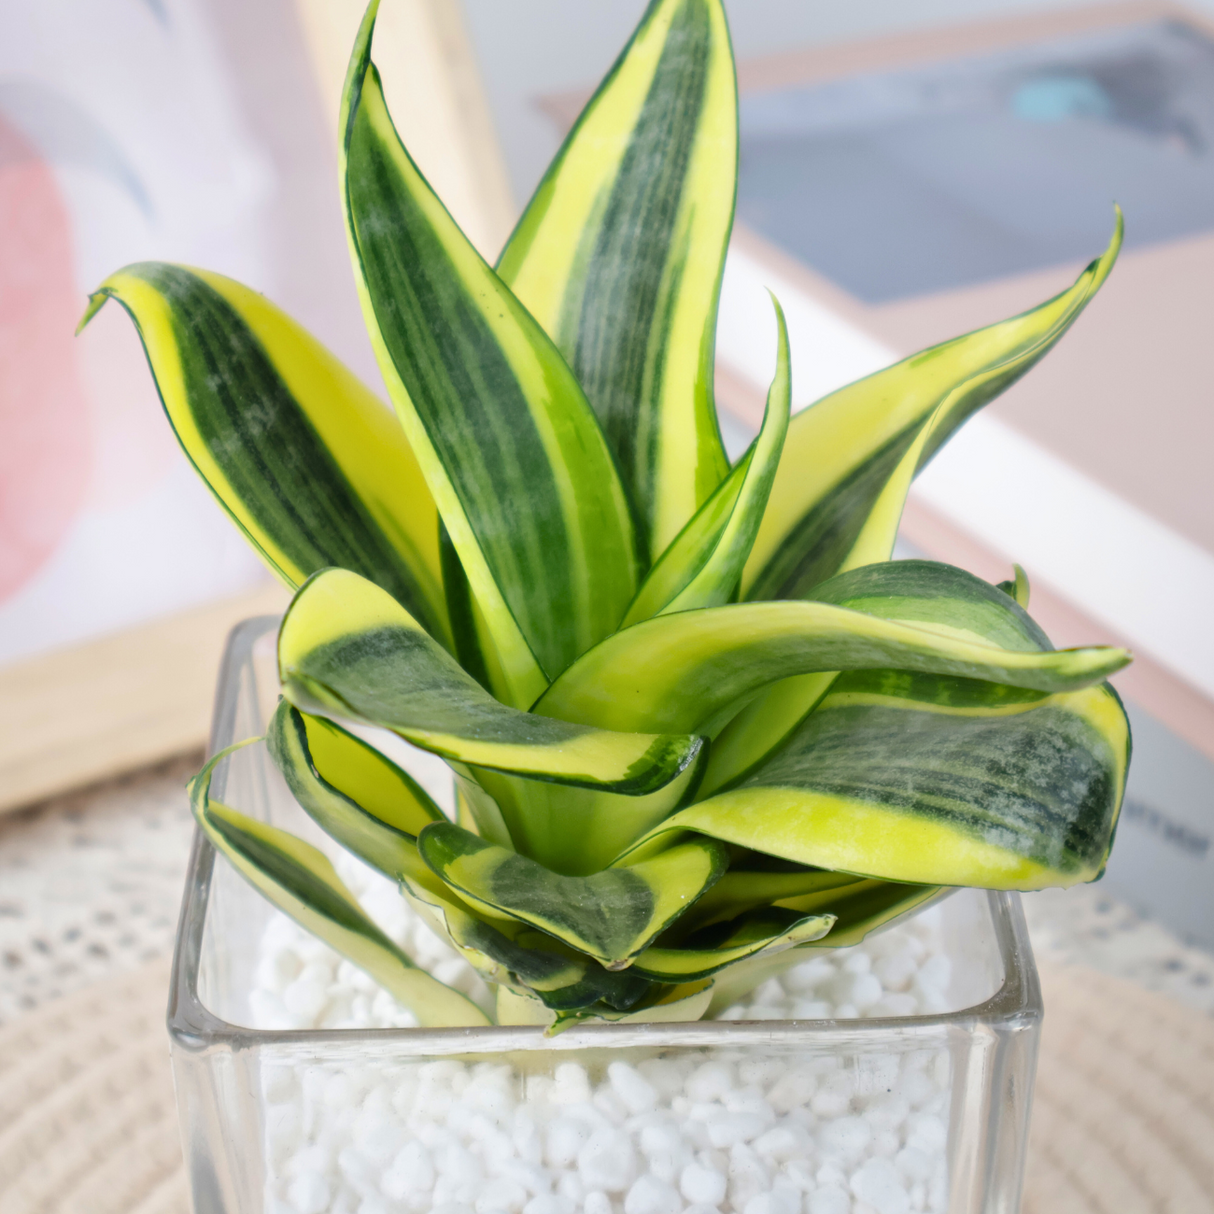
715,1132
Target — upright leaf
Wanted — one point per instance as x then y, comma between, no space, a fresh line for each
619,255
302,883
511,450
841,453
701,568
306,460
347,649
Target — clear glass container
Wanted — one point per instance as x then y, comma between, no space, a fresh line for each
892,1116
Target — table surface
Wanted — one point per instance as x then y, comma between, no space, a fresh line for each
90,885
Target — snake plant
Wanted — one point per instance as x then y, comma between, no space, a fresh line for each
698,719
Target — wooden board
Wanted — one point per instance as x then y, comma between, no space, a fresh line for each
111,705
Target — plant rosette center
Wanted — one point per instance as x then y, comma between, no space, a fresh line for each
701,728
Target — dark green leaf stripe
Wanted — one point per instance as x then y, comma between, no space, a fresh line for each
841,452
936,781
619,254
701,568
306,461
362,799
511,449
683,671
349,650
301,882
610,915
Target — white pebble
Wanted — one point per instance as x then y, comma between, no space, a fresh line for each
865,991
720,1132
608,1161
652,1196
834,1095
877,1183
548,1203
793,1088
807,975
830,1199
597,1203
926,1133
566,1137
896,971
632,1088
887,1114
844,1139
710,1081
784,1142
305,997
727,1129
702,1185
890,1005
501,1195
748,1177
310,1192
913,1164
571,1084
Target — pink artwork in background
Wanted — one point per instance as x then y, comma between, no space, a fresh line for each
44,411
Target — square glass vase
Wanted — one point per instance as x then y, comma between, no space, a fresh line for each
864,1115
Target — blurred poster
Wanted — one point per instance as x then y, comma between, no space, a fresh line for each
121,139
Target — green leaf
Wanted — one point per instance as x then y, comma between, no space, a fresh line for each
972,783
511,449
305,460
1018,587
936,781
763,932
619,255
684,671
301,882
611,915
512,953
861,909
749,888
354,794
842,452
349,650
921,593
702,566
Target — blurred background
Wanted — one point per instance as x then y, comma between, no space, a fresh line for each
908,172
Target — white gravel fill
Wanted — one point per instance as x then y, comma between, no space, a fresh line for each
703,1132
